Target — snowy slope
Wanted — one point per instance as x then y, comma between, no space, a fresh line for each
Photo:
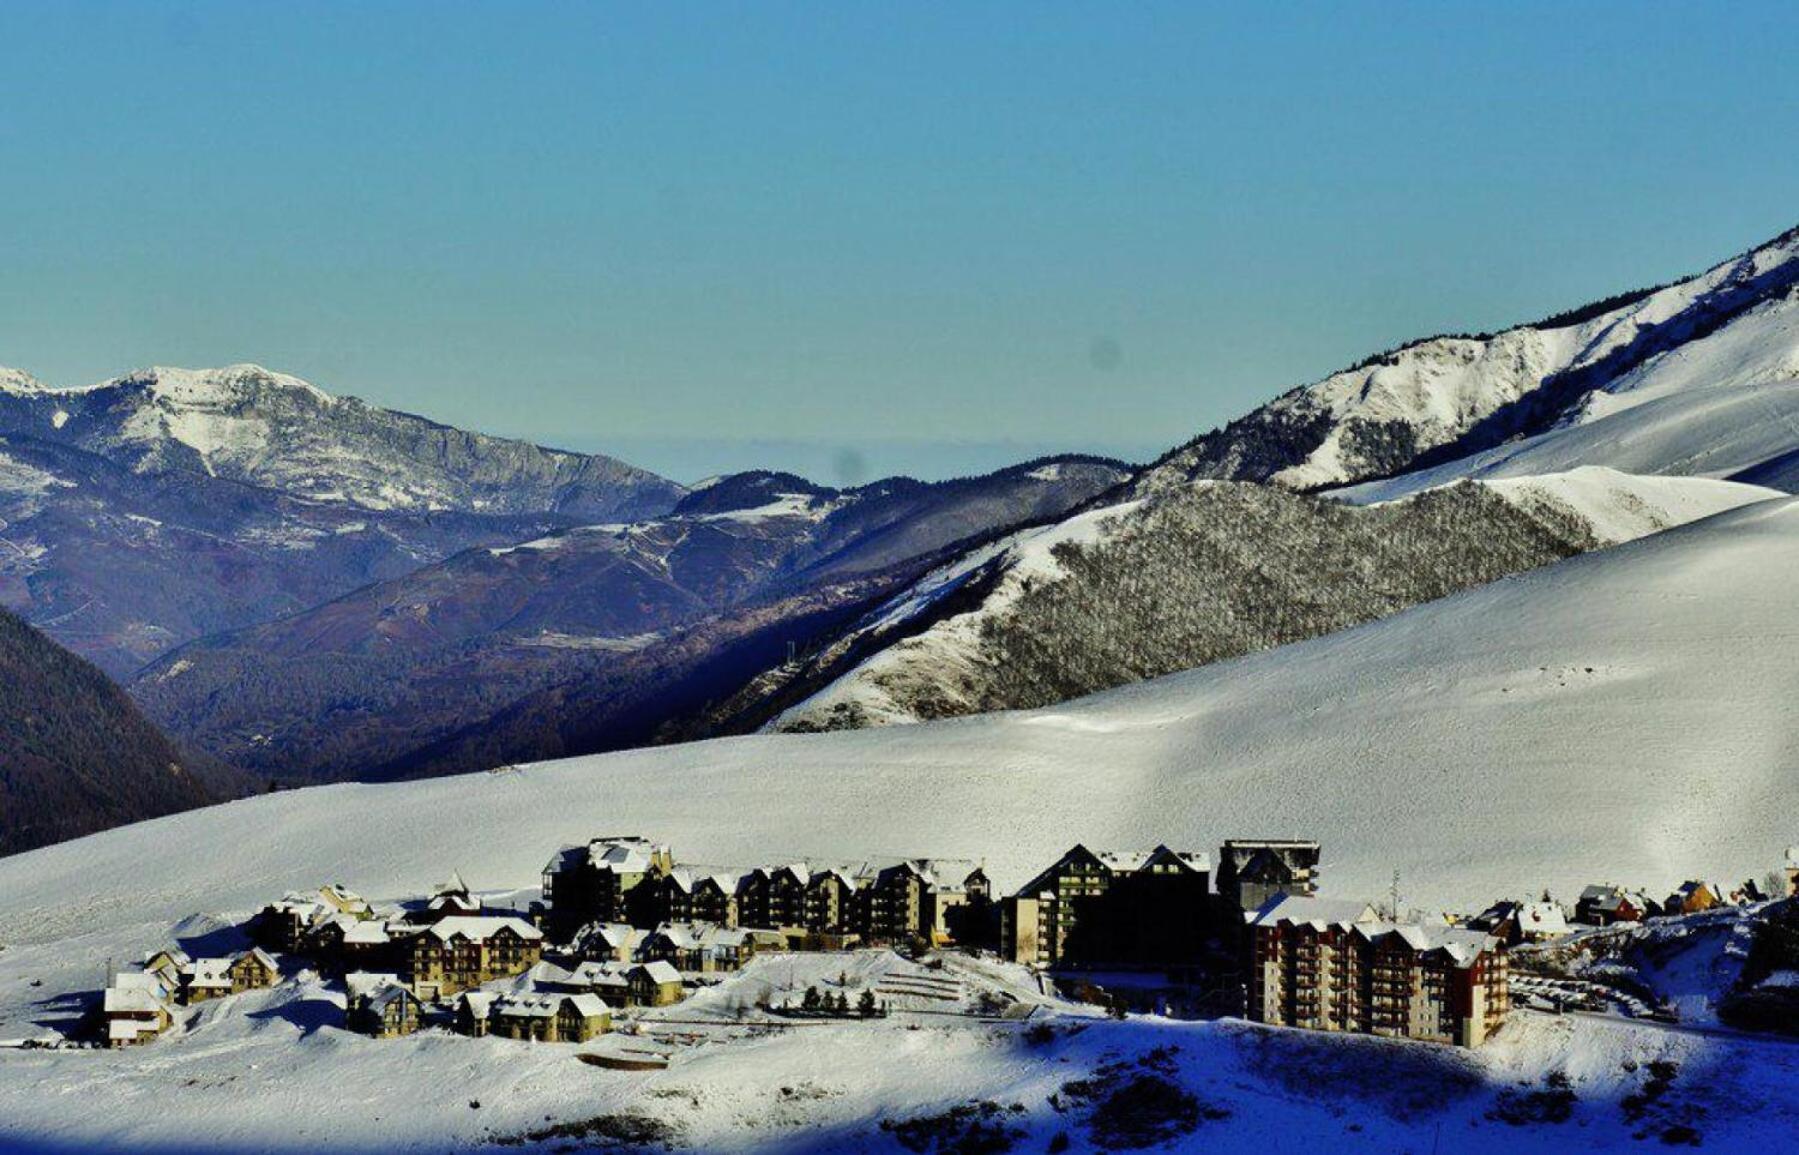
1527,733
1710,361
911,662
1720,406
247,423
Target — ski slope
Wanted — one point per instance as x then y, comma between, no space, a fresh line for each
1625,715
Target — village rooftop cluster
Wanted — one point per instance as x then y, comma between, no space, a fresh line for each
621,925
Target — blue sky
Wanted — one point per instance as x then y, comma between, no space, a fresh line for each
934,235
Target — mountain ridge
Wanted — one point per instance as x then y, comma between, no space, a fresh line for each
251,424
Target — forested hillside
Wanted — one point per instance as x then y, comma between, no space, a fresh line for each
76,756
1202,573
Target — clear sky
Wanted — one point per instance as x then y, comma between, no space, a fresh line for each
901,237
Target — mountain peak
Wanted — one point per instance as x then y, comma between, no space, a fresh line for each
212,386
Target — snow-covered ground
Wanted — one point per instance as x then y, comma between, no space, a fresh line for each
273,1070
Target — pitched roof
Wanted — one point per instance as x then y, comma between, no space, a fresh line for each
1542,918
358,983
479,1002
131,1000
482,926
208,972
131,1028
451,885
660,971
1308,910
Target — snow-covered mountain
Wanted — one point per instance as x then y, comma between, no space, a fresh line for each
140,513
246,423
375,682
1203,572
1539,731
121,566
1698,377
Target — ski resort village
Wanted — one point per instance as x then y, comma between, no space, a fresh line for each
625,968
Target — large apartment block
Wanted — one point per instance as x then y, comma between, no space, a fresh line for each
1106,906
634,881
1338,966
1253,870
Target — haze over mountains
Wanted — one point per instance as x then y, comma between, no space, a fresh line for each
313,589
395,678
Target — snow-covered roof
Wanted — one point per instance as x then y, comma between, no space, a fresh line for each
660,971
476,927
360,983
380,997
546,1006
129,1029
450,885
1542,918
132,1001
175,955
628,855
1308,910
597,974
208,972
1461,944
364,931
612,935
478,1002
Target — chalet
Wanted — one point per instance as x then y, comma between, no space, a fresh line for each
703,947
919,898
1087,907
607,880
1605,905
606,942
136,1008
449,898
205,978
549,1018
472,1009
343,900
380,1005
285,923
1693,897
1338,966
1520,922
654,984
345,943
166,965
1253,870
211,978
609,980
461,951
